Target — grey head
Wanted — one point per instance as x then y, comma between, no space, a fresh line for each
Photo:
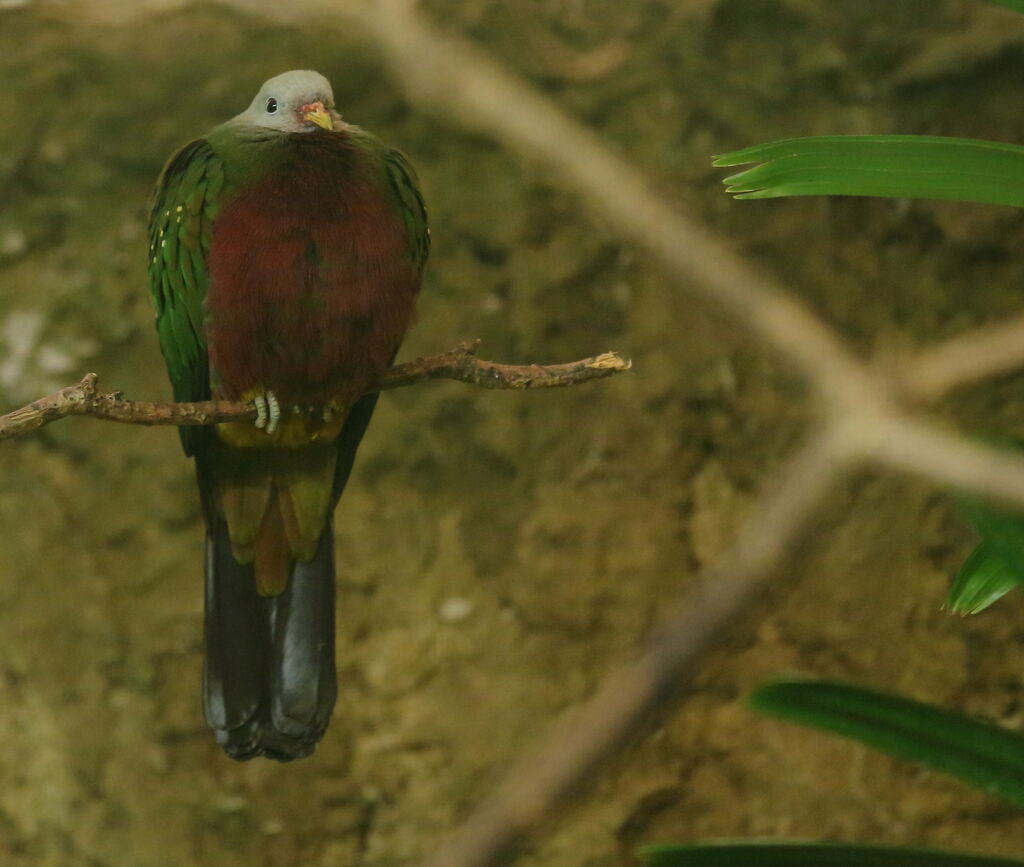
296,101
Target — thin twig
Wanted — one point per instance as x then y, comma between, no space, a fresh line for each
907,444
460,364
988,351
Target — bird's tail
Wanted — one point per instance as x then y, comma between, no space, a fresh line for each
269,680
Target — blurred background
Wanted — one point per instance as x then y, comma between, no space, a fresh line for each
498,552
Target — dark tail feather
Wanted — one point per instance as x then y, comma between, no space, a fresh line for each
303,682
237,647
269,682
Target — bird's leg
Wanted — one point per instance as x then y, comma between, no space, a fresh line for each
261,410
273,413
268,411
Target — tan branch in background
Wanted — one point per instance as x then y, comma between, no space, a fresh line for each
989,351
460,364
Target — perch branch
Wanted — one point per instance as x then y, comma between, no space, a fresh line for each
460,364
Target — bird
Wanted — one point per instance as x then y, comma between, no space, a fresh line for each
286,251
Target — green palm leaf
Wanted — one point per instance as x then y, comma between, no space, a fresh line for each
981,754
996,566
810,855
1001,529
984,578
927,167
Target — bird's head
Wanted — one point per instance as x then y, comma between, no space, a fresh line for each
296,101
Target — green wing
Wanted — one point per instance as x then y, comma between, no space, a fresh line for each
405,185
184,206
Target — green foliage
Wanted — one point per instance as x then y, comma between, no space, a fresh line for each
924,167
984,755
996,566
981,754
810,855
983,579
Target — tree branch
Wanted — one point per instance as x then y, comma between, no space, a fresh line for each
990,351
460,364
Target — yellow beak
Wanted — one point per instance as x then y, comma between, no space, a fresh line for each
317,114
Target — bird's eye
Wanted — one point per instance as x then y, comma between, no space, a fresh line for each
271,105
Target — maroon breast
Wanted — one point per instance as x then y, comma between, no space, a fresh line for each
312,285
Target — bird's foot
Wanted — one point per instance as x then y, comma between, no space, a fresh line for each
290,424
268,412
273,413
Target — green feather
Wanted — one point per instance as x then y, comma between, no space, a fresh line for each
405,186
184,203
